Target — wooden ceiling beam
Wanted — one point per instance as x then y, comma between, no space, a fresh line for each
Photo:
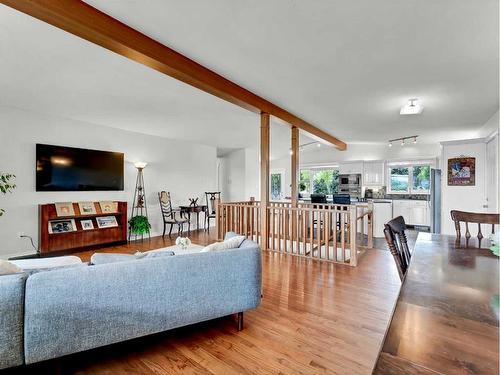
87,22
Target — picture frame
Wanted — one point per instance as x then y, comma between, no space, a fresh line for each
108,207
62,226
87,208
64,209
87,224
106,222
462,171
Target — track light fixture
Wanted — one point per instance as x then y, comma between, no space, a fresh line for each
403,140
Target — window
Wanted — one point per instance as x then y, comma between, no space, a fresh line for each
275,185
409,179
319,181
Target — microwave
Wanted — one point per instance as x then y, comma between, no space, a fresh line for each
350,179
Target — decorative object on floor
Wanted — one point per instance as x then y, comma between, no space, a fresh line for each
6,185
87,208
212,200
106,222
139,225
462,171
169,214
62,226
64,209
193,202
108,207
87,224
139,206
183,242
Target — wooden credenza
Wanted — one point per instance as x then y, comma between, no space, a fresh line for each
80,239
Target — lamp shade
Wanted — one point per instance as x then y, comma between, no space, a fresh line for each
140,164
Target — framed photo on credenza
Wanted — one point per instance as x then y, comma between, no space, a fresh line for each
62,226
106,222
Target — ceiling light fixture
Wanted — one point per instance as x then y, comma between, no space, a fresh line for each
403,140
413,107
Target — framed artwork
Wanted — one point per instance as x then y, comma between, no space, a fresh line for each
62,226
108,207
64,209
462,171
87,224
87,208
106,222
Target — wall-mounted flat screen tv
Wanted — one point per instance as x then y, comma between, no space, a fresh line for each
76,169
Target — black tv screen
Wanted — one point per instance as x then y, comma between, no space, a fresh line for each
76,169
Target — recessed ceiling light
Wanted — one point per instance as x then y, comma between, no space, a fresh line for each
413,107
390,144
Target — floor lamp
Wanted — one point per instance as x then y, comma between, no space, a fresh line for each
139,206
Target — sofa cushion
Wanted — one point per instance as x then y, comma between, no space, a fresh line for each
11,319
104,258
229,243
154,254
245,244
8,268
40,264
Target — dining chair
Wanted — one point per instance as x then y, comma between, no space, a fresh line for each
395,236
476,218
169,215
212,199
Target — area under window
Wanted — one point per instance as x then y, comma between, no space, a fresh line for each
409,179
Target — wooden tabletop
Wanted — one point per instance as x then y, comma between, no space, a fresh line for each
446,317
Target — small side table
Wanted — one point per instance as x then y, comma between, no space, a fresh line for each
194,209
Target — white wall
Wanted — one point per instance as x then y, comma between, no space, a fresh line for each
489,127
240,175
252,174
185,169
463,198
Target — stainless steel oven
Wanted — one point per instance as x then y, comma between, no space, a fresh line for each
350,184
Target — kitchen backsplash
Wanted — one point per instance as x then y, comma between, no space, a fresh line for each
417,197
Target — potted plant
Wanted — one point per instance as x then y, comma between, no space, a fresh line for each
6,185
139,225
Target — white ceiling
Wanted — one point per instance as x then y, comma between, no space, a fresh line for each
346,66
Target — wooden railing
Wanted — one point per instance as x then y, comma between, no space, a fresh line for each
328,232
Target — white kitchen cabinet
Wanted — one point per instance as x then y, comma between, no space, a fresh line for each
414,212
355,167
373,173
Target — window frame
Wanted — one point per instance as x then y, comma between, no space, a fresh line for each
313,170
410,167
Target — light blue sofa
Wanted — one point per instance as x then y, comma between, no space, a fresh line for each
75,309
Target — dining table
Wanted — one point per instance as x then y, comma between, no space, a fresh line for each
446,318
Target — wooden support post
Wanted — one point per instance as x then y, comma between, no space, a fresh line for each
353,231
264,179
370,226
295,166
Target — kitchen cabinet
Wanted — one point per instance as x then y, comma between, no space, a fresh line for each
414,212
373,173
354,167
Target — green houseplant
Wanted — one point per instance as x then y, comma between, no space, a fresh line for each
6,185
139,225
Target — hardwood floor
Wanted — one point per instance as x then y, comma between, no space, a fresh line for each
315,318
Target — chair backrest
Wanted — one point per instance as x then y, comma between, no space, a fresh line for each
471,217
211,199
165,204
318,198
342,199
395,235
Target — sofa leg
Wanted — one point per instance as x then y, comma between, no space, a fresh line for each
239,321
